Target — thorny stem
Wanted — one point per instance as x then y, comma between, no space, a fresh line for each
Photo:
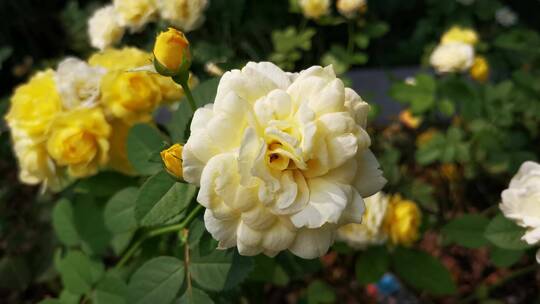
156,232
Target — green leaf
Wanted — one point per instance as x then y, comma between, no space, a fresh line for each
269,271
504,257
156,281
420,96
78,272
204,93
422,271
90,224
194,296
179,125
467,230
120,211
371,264
162,198
67,297
14,273
219,269
143,142
104,184
63,223
319,292
505,234
110,290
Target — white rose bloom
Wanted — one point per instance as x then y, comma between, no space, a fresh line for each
350,8
314,9
135,14
452,57
370,231
521,201
103,28
282,160
78,83
187,15
506,17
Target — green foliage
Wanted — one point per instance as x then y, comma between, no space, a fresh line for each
144,143
467,230
505,234
194,296
446,148
504,257
319,292
78,272
219,269
419,96
289,44
110,290
161,199
156,281
372,264
422,271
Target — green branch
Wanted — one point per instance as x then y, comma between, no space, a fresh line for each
157,232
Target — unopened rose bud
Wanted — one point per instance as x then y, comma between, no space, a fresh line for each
172,160
171,53
480,69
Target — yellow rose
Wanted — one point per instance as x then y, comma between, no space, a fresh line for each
121,59
402,221
35,165
79,140
131,96
171,50
480,69
459,34
118,159
314,9
34,105
135,14
172,160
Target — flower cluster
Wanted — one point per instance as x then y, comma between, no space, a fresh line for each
282,160
107,25
455,53
520,202
315,9
71,122
386,217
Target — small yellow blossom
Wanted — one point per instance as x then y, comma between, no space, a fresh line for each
172,160
402,221
171,49
460,34
314,9
351,8
425,137
480,69
407,118
79,139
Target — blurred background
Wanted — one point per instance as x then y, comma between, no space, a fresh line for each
398,37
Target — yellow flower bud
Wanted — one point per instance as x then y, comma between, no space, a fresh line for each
409,120
480,69
171,50
459,34
402,221
425,137
172,159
